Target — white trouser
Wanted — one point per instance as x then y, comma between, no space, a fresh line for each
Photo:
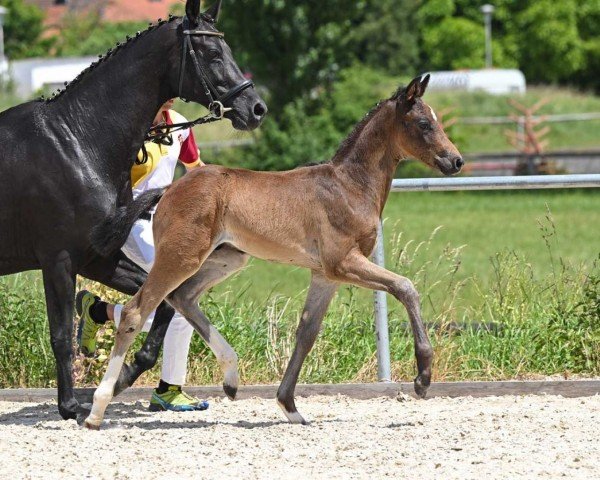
139,247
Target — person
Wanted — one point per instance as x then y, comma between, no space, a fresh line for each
156,172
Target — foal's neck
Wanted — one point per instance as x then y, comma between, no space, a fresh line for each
367,159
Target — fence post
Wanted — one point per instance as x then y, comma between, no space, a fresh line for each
384,373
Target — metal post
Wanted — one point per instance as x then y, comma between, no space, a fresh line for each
487,18
3,66
384,370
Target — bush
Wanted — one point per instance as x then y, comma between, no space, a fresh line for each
310,129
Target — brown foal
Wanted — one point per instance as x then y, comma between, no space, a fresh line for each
321,217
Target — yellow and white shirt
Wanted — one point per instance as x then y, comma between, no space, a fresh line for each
159,169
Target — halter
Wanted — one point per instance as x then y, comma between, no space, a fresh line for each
216,106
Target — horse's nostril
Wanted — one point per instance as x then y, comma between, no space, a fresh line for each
260,110
459,162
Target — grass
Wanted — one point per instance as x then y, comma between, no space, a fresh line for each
527,262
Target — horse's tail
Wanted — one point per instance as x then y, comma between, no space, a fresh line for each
110,235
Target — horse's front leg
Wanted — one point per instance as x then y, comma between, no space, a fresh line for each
358,270
59,287
319,297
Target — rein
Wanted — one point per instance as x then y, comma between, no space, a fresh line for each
161,134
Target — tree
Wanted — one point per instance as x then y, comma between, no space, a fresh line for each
86,34
551,49
386,37
23,27
291,47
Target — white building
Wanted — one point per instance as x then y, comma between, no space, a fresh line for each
494,81
34,74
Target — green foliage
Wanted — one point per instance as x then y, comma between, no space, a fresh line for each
25,357
309,131
551,48
290,47
386,38
87,35
23,28
454,43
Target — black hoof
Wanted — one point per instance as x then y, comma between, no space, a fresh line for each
421,386
83,412
68,410
230,391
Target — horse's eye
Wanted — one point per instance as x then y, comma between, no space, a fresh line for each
424,125
213,54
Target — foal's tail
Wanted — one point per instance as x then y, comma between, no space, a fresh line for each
110,235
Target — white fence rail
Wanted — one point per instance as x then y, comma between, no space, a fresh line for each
453,184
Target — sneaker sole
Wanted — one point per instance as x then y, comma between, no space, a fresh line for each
157,407
79,302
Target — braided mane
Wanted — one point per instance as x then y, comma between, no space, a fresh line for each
110,53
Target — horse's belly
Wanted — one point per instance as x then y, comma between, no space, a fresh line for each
272,250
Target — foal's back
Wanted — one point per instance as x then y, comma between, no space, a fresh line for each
293,217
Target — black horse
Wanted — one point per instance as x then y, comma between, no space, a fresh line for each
65,166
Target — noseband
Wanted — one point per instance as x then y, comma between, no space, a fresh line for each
216,101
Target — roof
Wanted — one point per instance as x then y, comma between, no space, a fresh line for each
109,10
136,10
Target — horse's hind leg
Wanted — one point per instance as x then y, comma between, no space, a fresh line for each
319,296
358,270
168,273
59,287
222,263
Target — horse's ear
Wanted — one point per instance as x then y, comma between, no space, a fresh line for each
412,92
416,88
214,10
192,10
424,82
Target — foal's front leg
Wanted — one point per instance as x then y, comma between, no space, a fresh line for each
358,270
319,296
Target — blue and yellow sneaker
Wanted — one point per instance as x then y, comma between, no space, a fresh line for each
175,400
87,329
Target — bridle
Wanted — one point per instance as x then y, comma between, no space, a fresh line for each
216,103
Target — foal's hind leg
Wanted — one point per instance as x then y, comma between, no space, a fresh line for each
168,273
358,270
120,273
222,263
319,296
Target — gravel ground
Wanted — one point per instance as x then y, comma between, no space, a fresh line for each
467,438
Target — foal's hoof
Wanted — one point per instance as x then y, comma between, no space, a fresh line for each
294,417
230,391
91,426
421,386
